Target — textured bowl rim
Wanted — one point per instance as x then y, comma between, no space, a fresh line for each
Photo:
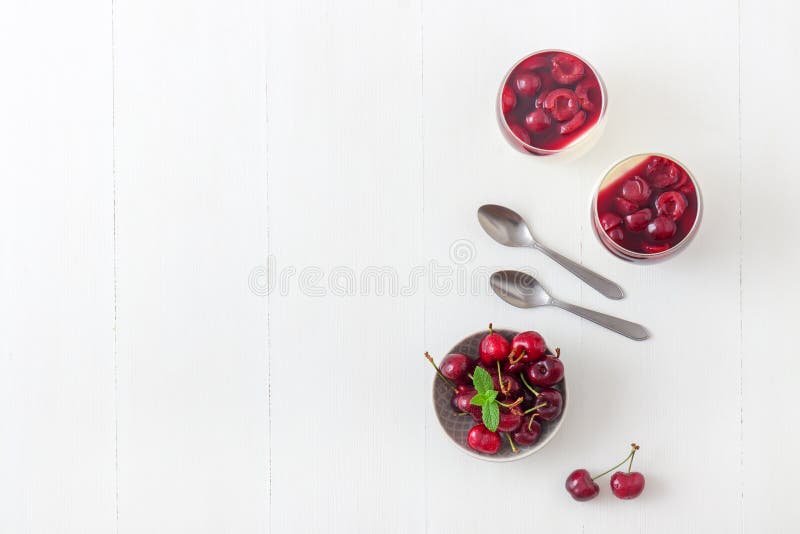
524,452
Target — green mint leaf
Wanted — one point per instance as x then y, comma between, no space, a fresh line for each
478,400
490,395
491,415
482,380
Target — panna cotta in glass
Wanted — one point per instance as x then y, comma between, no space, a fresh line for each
646,208
550,102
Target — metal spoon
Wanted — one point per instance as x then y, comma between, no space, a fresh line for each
523,291
508,228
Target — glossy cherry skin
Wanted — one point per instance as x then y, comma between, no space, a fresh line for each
460,401
636,190
661,228
456,367
483,440
554,401
509,422
610,220
493,347
531,344
528,433
545,372
513,368
581,486
508,99
527,83
537,120
638,220
627,485
671,204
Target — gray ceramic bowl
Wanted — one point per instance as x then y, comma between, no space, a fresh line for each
457,427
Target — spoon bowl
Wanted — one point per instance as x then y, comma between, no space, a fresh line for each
508,228
524,291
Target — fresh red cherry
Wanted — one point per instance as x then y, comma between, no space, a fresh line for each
617,234
553,404
508,99
627,485
528,432
537,120
493,347
638,220
585,89
581,486
529,345
636,190
513,366
661,228
567,69
519,132
456,367
562,103
527,83
610,220
483,440
573,124
671,204
545,372
509,422
624,206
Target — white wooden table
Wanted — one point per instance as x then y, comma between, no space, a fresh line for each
198,198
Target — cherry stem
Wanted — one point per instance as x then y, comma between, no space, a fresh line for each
512,357
511,442
491,330
634,448
558,352
530,423
526,412
513,404
522,376
503,390
438,372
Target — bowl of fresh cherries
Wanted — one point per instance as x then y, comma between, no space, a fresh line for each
646,208
551,101
499,394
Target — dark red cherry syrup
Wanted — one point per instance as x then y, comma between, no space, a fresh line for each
551,99
649,209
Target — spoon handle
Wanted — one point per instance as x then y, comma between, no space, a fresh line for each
601,284
620,326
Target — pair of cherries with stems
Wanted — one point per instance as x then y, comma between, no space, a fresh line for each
625,485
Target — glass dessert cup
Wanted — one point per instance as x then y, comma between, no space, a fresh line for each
646,208
552,102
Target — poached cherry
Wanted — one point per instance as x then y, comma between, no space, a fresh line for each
567,69
493,347
483,440
661,228
527,83
508,99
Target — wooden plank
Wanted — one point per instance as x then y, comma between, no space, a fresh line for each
349,384
191,221
56,238
770,286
